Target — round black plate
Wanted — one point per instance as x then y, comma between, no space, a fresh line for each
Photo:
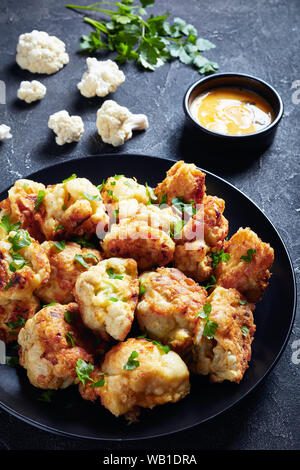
68,414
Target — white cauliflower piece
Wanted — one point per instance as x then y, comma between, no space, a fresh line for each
5,132
115,123
101,78
67,128
40,53
31,91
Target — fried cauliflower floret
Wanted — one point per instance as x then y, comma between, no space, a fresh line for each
72,208
13,316
115,123
157,378
183,180
169,306
65,270
226,356
249,275
101,78
67,128
24,267
135,239
107,295
47,348
20,206
194,260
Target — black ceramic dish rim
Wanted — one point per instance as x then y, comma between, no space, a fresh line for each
59,432
266,130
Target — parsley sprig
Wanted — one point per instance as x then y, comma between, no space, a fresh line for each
150,41
84,370
210,327
132,363
219,256
248,257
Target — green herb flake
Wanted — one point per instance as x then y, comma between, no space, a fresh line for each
59,227
211,282
9,284
49,305
84,242
92,197
210,327
59,245
242,302
80,259
219,256
83,371
248,258
72,177
150,193
112,275
101,186
113,299
70,317
16,324
245,330
70,339
111,194
7,226
18,262
142,288
39,200
132,363
20,240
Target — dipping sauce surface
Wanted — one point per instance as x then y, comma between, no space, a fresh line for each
232,111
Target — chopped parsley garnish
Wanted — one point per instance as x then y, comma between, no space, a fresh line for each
8,227
111,194
150,193
183,207
39,200
49,305
249,256
70,339
115,214
83,371
117,177
113,299
84,242
20,240
59,245
18,262
142,288
8,285
164,200
100,187
210,327
59,227
163,349
113,183
211,282
16,324
131,362
72,177
112,275
92,197
219,256
100,383
150,41
70,317
64,207
80,259
245,330
242,302
178,226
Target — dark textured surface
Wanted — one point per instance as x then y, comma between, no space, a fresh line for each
255,37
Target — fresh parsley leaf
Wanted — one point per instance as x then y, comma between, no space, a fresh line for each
132,363
59,245
90,197
72,177
8,227
113,299
142,288
219,256
112,275
16,324
49,305
248,258
245,330
117,177
164,200
20,240
211,282
242,302
100,187
150,193
9,284
83,370
100,383
59,227
18,262
84,242
70,339
39,200
111,194
210,327
81,260
70,317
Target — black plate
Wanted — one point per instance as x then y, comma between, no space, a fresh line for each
274,319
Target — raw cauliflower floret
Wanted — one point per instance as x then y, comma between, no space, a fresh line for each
40,53
169,305
115,123
65,269
50,346
31,91
67,128
226,356
5,132
24,267
101,78
14,314
107,295
154,379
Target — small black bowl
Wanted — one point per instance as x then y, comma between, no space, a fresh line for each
257,141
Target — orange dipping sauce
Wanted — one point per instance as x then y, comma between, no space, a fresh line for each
232,111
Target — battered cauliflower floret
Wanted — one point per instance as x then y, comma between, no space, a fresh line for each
40,53
24,267
50,347
20,206
226,356
67,128
65,269
162,219
194,260
72,208
183,180
247,269
101,78
14,314
169,306
107,296
31,91
135,239
5,132
119,188
115,123
156,378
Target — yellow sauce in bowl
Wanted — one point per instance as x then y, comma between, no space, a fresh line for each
232,111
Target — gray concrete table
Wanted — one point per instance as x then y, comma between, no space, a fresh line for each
258,37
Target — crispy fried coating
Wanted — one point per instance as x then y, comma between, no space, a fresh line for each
20,206
13,316
250,278
194,260
158,378
47,349
135,239
160,218
107,295
16,281
182,180
73,208
215,224
226,356
168,307
120,188
65,270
